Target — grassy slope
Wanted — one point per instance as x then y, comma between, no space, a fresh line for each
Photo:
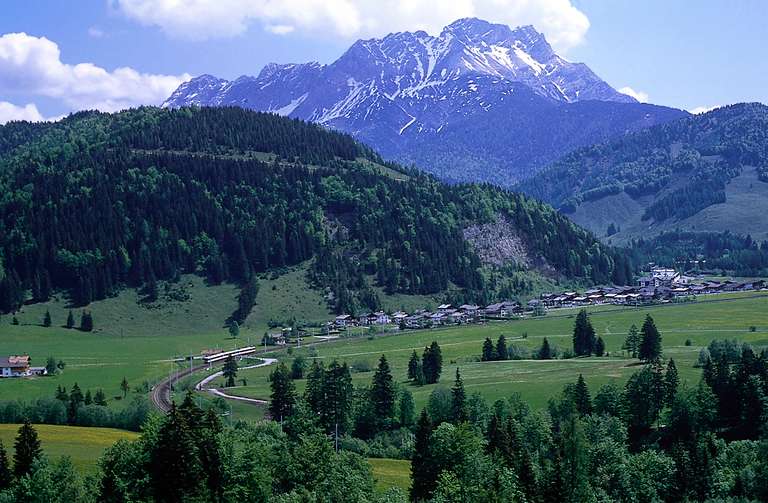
742,213
391,473
537,381
83,445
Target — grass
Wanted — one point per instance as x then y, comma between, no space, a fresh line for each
391,473
130,340
730,317
83,445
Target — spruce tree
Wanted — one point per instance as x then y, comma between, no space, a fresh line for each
50,365
489,352
47,319
599,349
432,363
407,409
283,396
76,399
498,438
88,400
545,352
459,412
230,371
336,404
650,343
6,475
313,393
413,363
61,393
100,398
632,342
423,467
582,399
70,320
420,378
671,381
86,321
27,448
382,394
501,348
124,387
174,463
583,335
234,329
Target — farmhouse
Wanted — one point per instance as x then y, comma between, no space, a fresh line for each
15,366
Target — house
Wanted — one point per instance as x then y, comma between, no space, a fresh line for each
15,366
38,371
344,320
399,316
442,308
380,318
661,276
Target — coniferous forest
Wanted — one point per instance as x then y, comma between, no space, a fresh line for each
99,201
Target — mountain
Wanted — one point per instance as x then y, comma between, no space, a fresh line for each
479,102
707,172
98,201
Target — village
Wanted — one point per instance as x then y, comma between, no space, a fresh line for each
658,286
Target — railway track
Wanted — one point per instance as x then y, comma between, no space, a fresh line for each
161,393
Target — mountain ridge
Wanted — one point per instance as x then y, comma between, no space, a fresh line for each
400,93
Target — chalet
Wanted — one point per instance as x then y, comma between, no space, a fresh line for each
442,308
661,276
399,316
344,320
380,318
470,309
15,366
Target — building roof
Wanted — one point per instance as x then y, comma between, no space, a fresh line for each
15,362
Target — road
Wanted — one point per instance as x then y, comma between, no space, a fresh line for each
201,386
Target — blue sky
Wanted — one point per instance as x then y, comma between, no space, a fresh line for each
109,54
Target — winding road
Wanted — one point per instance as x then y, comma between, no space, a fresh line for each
201,386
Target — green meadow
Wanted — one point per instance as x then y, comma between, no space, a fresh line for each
83,445
733,317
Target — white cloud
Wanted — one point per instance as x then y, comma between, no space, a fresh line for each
32,65
280,29
10,112
638,95
702,110
562,23
95,32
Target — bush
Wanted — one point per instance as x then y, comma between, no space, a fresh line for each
361,366
517,352
688,342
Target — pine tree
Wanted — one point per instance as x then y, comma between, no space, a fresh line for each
86,321
283,396
336,404
191,413
76,399
27,450
671,381
47,319
382,394
432,363
489,352
650,343
545,352
632,342
174,463
583,335
61,393
234,329
209,448
230,371
6,475
599,349
100,398
407,409
423,470
582,399
459,412
413,363
420,378
88,400
50,365
575,461
501,348
124,387
70,320
313,393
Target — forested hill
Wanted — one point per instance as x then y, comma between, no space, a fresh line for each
706,173
100,201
